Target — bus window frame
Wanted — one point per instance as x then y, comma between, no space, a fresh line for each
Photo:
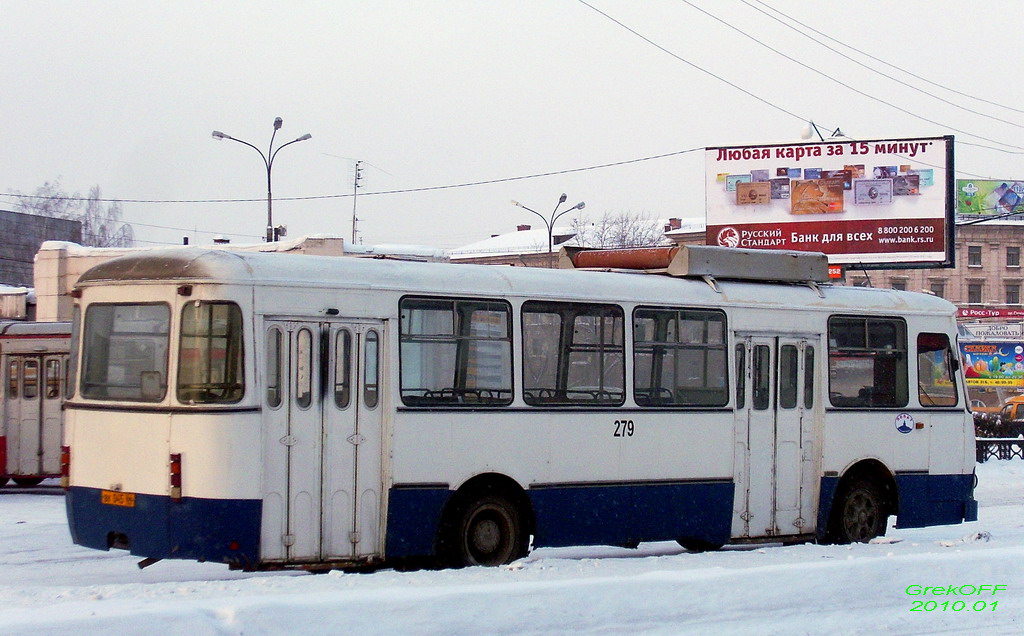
559,395
868,393
460,394
233,339
87,355
705,348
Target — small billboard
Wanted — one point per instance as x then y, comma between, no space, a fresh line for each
993,364
985,197
876,204
993,331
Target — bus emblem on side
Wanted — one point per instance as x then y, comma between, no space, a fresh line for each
904,423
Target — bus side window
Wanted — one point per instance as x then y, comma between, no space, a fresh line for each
304,369
809,377
741,376
679,357
762,377
573,353
788,368
13,378
31,379
273,367
935,370
867,362
52,379
453,351
370,374
343,369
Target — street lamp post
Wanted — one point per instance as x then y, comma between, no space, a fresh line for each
549,222
273,233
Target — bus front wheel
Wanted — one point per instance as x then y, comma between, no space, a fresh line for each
28,482
862,514
487,530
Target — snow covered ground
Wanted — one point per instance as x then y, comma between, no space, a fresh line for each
49,586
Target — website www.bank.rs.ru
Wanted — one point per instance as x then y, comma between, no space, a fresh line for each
905,239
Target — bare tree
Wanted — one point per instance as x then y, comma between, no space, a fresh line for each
618,229
101,224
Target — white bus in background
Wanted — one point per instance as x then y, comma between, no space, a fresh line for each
265,410
33,363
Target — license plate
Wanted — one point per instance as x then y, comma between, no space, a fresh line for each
114,498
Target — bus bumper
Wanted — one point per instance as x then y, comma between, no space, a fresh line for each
157,527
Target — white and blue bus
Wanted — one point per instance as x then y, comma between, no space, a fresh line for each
268,410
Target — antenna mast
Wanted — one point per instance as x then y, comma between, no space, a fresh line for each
355,191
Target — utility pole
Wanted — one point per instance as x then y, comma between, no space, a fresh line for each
355,190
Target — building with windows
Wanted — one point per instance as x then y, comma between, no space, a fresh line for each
987,273
21,235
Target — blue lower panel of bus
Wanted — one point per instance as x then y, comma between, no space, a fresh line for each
414,514
628,513
219,530
924,500
600,514
935,500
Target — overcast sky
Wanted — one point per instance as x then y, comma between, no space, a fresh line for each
124,95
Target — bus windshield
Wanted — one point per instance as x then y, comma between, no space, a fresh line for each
124,352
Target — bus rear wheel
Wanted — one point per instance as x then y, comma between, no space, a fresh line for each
488,530
862,513
698,545
28,482
3,481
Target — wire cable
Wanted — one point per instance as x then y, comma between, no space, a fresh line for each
695,66
363,194
844,84
877,59
878,72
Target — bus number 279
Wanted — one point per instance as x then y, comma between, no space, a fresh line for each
623,428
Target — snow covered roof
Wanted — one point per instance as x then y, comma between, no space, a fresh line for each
532,241
535,239
322,243
689,225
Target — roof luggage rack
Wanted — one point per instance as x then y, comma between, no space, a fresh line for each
704,261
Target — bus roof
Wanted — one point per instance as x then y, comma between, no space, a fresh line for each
197,265
28,328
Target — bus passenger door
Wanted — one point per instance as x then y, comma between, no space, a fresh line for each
292,434
27,423
322,440
773,435
352,441
51,431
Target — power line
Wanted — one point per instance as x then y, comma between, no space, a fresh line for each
876,71
695,66
844,84
868,55
380,192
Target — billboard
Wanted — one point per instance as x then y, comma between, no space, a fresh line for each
991,364
989,312
878,203
986,331
981,197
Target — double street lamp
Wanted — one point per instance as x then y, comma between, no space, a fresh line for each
549,222
273,233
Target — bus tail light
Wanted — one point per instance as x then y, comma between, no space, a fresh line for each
65,467
175,466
